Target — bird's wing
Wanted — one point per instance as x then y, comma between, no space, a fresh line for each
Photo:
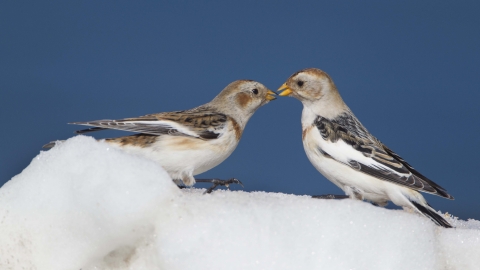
440,190
87,130
363,152
197,124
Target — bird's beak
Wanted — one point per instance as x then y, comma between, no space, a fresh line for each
270,95
286,90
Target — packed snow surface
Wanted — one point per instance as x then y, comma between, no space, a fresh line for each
85,205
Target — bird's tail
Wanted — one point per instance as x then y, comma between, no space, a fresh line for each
429,212
51,144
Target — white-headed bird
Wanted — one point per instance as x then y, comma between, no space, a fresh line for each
342,149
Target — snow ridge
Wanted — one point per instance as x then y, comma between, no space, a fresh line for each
86,205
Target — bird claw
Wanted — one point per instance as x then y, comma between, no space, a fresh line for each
218,182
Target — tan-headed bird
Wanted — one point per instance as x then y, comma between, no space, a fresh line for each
190,142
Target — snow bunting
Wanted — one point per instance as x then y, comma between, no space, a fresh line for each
187,143
342,149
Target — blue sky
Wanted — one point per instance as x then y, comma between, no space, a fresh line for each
409,71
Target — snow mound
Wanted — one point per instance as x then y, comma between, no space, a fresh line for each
85,205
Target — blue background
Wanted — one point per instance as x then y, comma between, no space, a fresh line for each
409,71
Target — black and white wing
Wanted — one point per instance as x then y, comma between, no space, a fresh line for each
198,124
351,144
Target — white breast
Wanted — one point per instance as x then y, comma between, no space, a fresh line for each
186,156
332,168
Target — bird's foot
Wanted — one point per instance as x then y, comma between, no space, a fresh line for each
330,196
218,182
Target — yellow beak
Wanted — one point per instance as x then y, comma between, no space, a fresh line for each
286,91
270,95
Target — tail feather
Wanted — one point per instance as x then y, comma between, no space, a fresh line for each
89,130
50,144
431,214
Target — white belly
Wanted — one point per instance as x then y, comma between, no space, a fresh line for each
334,168
342,175
185,156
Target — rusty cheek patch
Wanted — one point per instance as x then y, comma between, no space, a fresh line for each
243,99
316,94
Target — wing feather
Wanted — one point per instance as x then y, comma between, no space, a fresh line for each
198,124
376,160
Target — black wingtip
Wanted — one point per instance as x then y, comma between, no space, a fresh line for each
450,197
49,145
436,218
441,191
89,130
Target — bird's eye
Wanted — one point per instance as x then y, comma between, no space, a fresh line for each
255,91
300,83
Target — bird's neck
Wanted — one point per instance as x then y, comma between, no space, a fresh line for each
328,106
240,115
242,118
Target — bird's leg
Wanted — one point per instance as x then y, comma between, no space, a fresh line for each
340,197
330,196
217,182
179,183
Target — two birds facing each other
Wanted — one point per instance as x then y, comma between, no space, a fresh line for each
190,142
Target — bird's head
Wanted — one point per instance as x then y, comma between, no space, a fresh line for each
244,97
309,84
316,90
